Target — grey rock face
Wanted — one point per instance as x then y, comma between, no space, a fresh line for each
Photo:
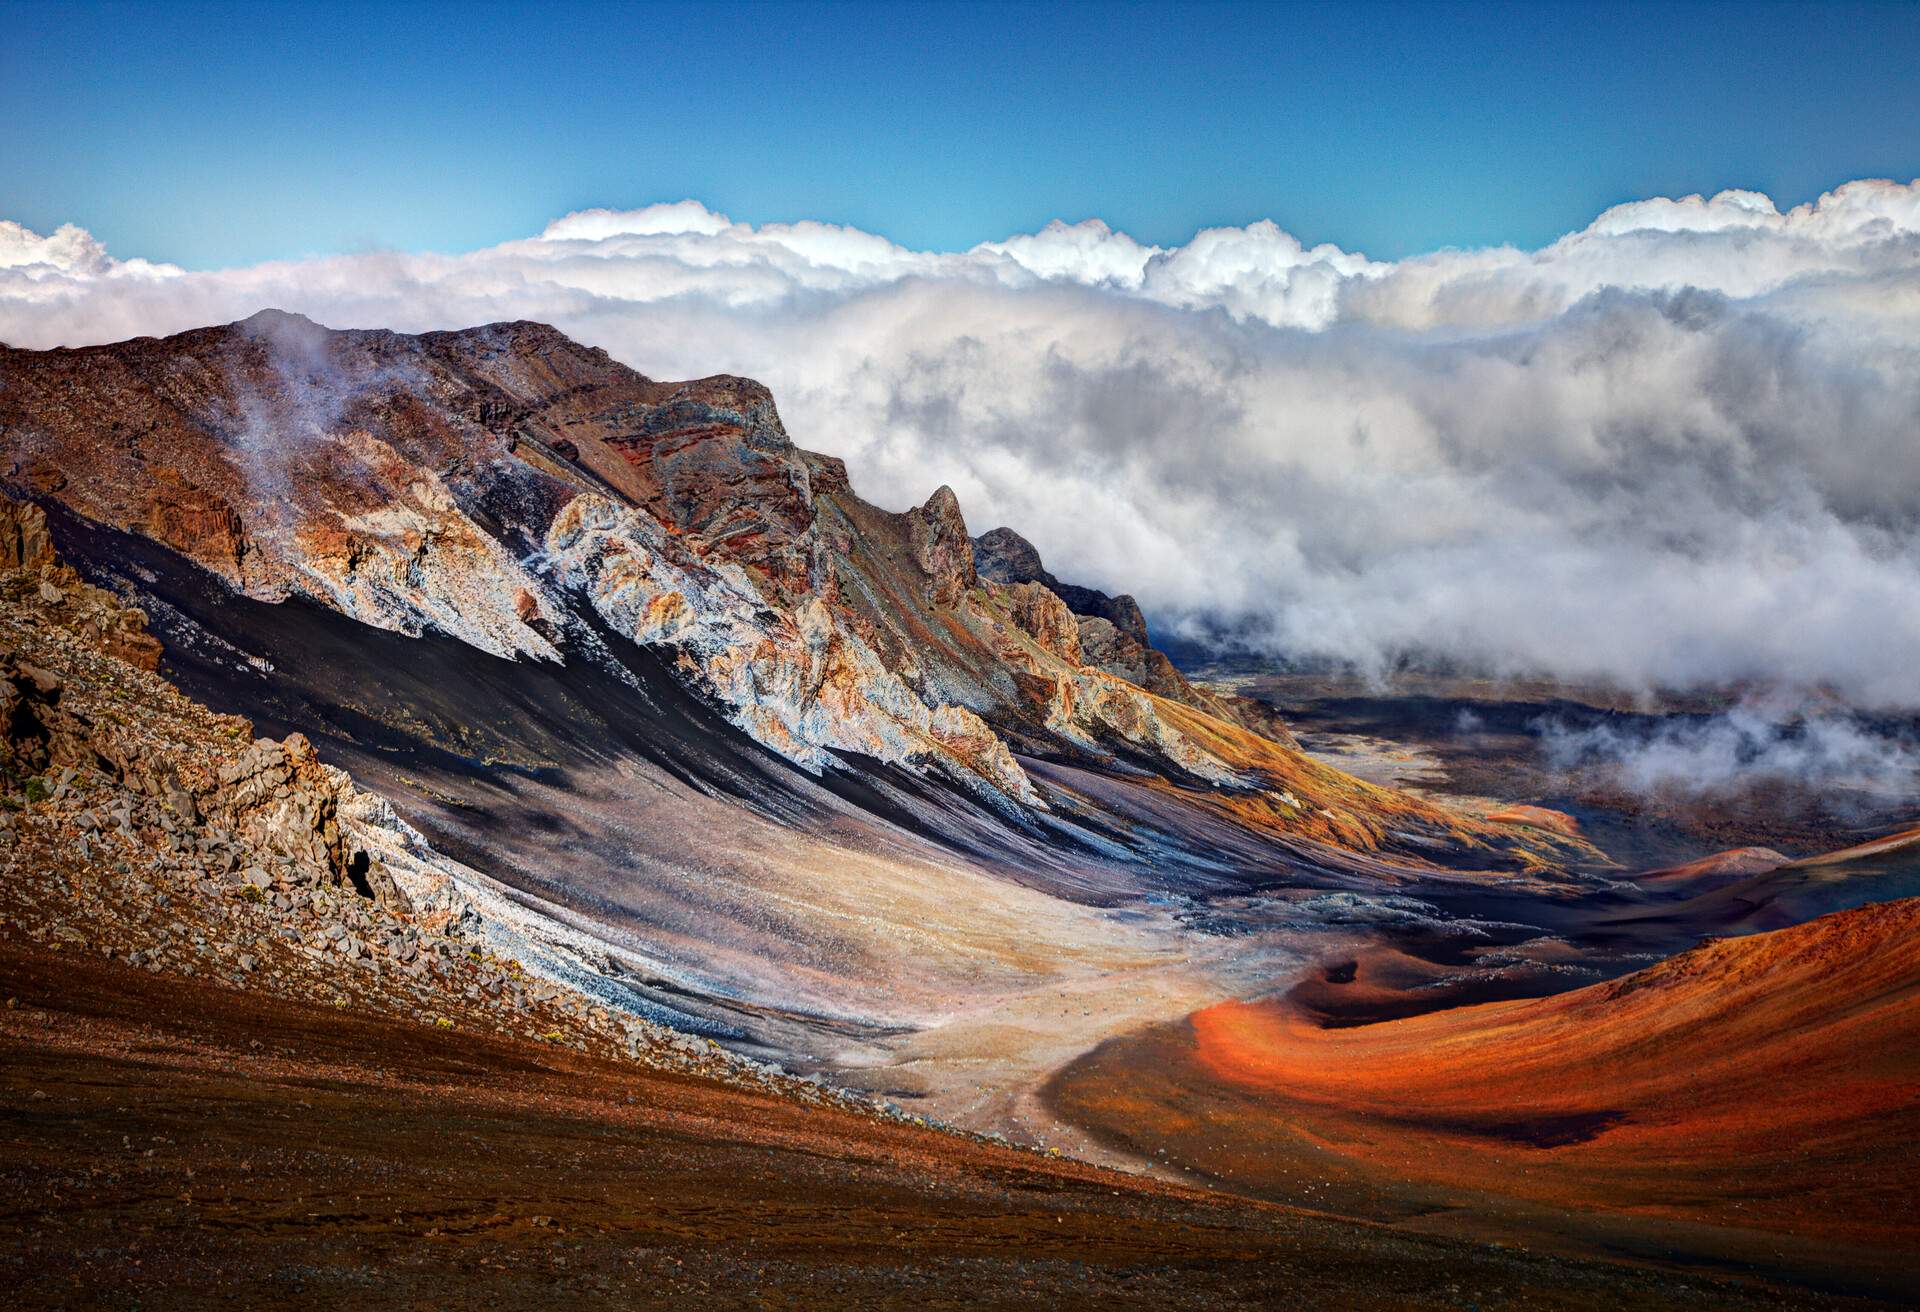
1003,556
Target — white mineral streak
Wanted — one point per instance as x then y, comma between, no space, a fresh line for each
548,941
414,563
801,684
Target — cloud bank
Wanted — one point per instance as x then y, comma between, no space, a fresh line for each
1680,446
1749,745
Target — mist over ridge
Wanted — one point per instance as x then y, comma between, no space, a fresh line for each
1674,448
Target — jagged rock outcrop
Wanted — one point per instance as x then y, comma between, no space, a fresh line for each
26,550
24,541
1041,612
202,526
1006,557
943,549
278,797
1113,635
33,733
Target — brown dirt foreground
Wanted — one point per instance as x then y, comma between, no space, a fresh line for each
176,1144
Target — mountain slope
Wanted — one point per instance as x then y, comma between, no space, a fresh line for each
485,483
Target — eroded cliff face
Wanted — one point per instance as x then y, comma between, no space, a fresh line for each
799,680
1113,636
353,468
511,488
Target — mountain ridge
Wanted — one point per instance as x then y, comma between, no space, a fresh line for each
561,616
467,480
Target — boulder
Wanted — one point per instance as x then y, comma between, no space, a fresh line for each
24,541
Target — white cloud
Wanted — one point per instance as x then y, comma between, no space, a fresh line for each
1088,252
69,252
1751,744
676,219
1674,447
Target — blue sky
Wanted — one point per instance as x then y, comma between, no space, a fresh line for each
215,135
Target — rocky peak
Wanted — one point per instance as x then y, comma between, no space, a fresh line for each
273,317
745,400
1006,557
942,547
1003,556
272,320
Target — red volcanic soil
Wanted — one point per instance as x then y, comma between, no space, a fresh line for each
1718,870
1895,842
1539,817
174,1144
1755,1101
1387,983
